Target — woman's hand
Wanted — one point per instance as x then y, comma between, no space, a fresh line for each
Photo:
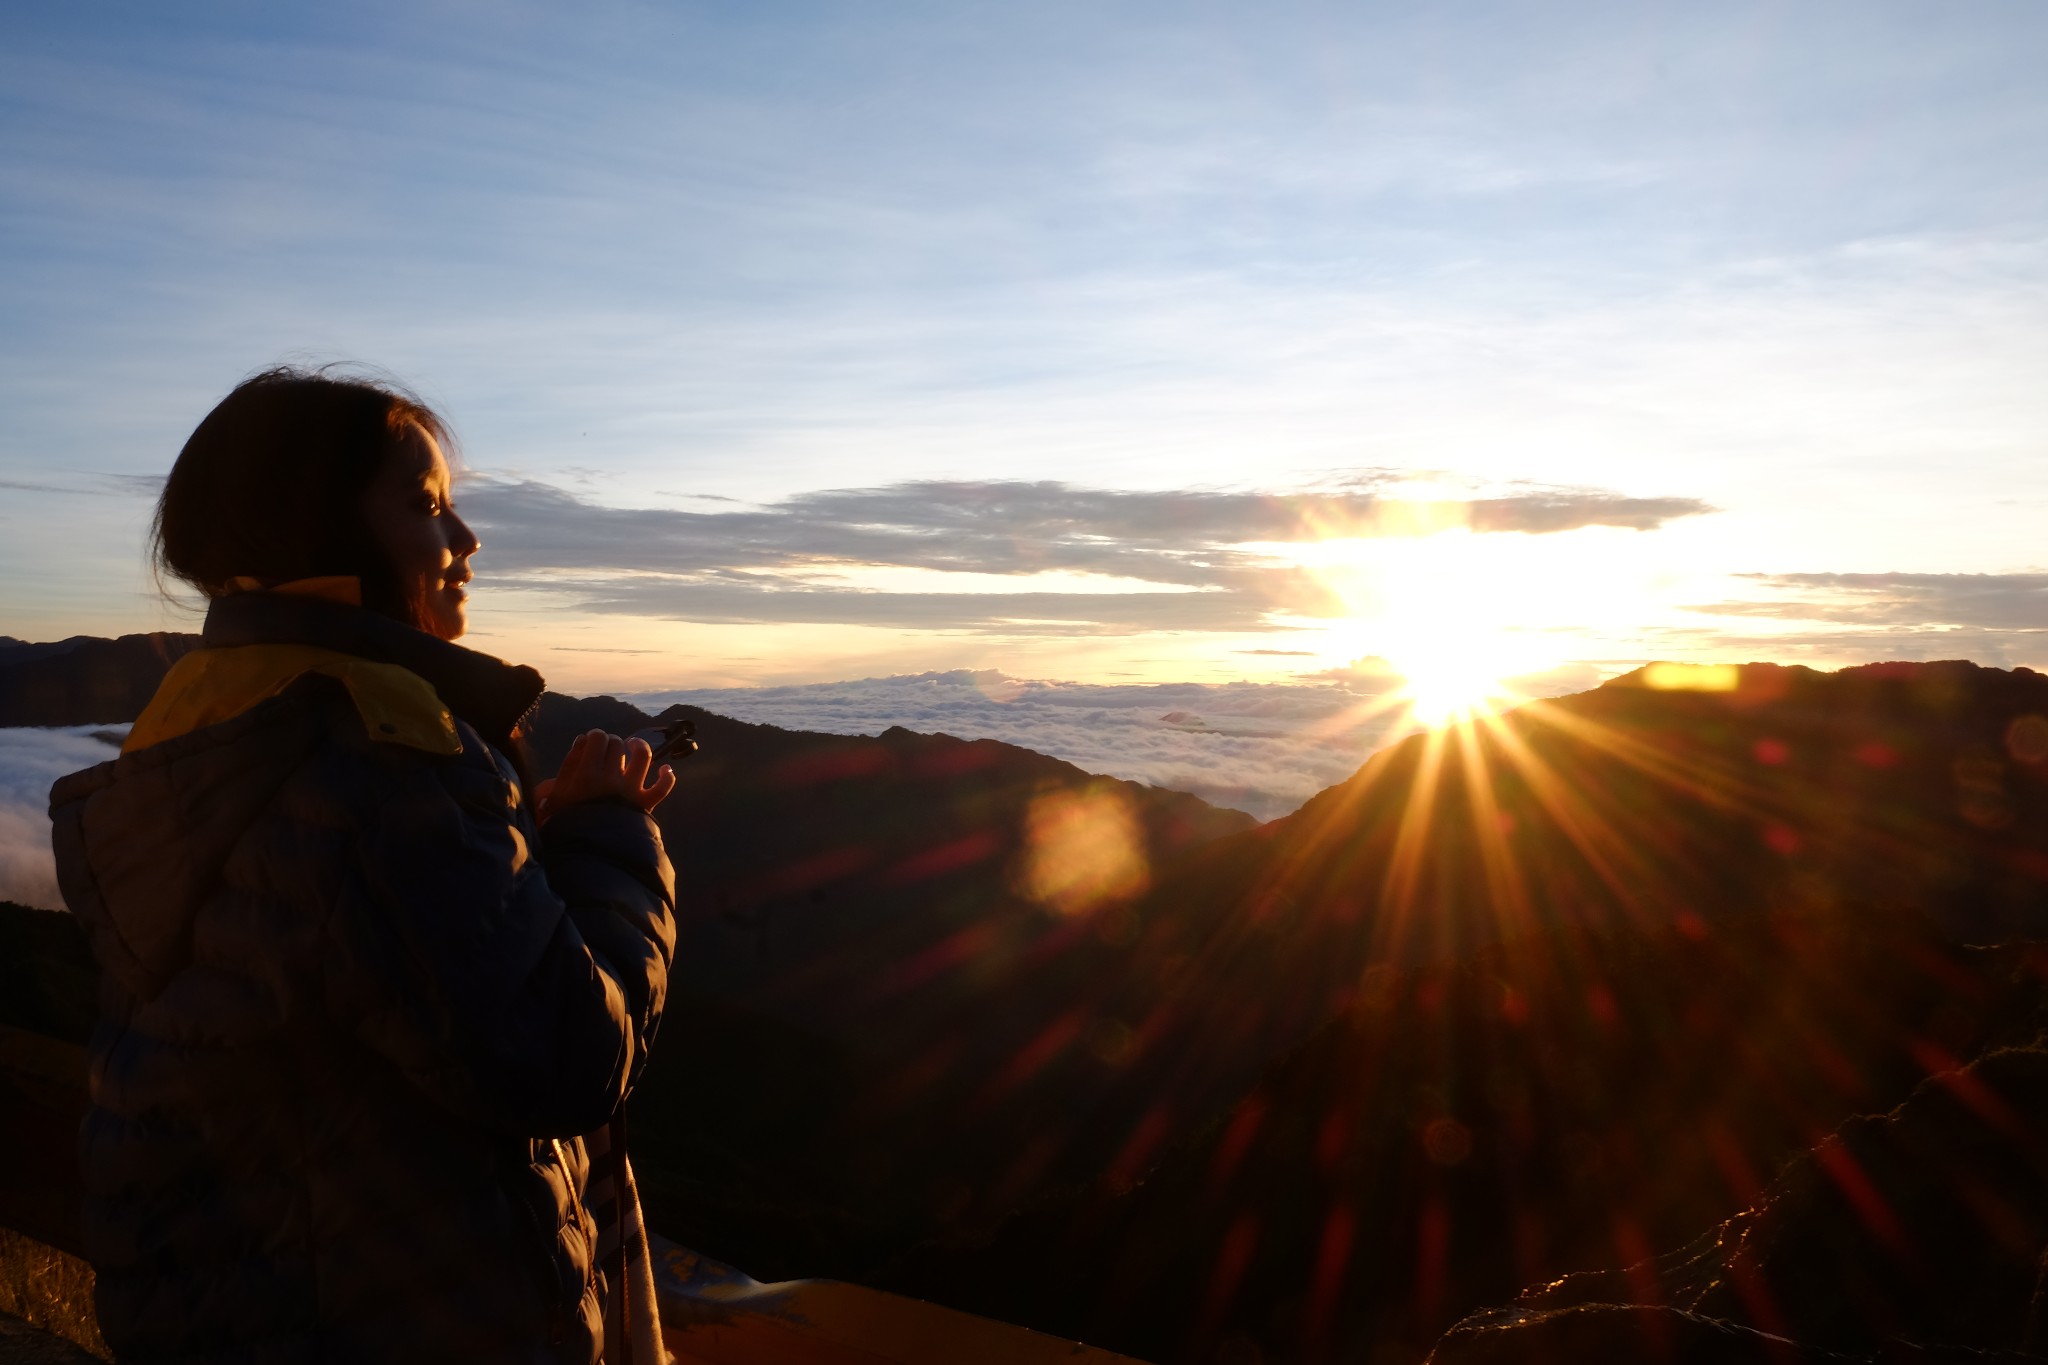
603,767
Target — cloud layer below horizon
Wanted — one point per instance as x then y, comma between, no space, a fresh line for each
31,759
1262,748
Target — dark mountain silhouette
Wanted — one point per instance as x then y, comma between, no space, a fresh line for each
84,680
1581,1099
1604,967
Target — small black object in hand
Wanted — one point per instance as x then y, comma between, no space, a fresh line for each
672,742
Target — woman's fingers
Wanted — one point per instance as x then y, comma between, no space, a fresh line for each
578,757
637,758
604,767
664,783
581,766
646,790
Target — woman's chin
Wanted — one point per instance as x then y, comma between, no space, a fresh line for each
448,616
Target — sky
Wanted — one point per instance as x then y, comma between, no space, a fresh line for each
1093,344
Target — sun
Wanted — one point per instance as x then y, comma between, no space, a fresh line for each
1456,651
1450,614
1446,681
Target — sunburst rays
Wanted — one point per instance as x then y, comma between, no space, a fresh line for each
1579,977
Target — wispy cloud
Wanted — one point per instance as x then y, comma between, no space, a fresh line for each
91,485
1193,550
2012,601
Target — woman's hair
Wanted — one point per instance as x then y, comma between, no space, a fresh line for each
270,485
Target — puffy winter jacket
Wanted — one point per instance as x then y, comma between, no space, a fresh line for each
356,1011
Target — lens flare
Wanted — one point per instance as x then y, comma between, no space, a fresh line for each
1083,851
1670,677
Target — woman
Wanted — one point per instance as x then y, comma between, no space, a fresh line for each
360,997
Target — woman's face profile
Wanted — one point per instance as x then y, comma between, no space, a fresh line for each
411,516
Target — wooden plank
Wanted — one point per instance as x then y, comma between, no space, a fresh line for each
712,1314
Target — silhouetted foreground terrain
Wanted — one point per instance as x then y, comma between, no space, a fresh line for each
1471,1130
1560,993
1604,968
1916,1235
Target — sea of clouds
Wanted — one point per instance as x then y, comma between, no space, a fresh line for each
32,758
1263,748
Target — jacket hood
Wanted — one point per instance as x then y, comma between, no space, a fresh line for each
141,841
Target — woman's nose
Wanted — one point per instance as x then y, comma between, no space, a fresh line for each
462,541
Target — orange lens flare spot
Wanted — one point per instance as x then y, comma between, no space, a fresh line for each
1233,1258
1862,1194
1237,1141
1333,1258
2026,739
1146,1139
1082,851
1432,1258
938,861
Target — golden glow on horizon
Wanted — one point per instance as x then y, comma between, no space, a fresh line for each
1465,616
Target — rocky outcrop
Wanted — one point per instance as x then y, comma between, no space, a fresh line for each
1918,1235
46,1309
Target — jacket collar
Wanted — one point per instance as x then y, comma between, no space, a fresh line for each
490,694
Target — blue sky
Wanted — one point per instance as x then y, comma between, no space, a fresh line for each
1784,268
